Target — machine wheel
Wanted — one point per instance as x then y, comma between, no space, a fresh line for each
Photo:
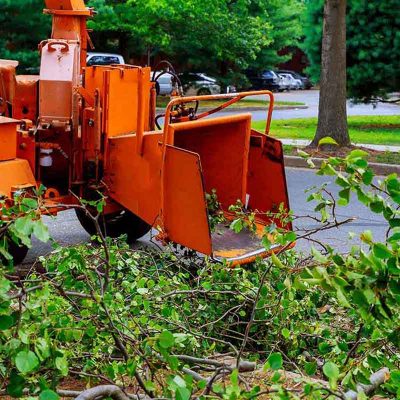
18,253
115,225
203,92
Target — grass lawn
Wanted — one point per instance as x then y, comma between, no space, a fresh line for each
383,130
385,157
162,102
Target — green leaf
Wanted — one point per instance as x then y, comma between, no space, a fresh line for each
24,226
327,140
395,377
182,393
311,368
367,236
48,395
276,261
15,385
357,154
381,251
29,202
377,206
285,333
237,225
275,361
6,322
166,340
345,195
302,154
41,231
180,382
395,237
264,291
394,223
26,361
331,371
368,177
42,348
62,365
235,377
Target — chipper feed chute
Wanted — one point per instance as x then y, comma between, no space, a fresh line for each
221,154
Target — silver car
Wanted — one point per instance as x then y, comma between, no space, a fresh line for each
284,83
295,84
198,84
164,85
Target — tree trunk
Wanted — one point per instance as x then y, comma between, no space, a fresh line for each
332,114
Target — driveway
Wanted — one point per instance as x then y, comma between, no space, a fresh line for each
66,230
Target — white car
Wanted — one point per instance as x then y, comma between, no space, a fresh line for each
104,59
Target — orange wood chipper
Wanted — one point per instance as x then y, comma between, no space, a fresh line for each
81,130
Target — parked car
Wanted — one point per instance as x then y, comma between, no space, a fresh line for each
198,84
104,59
304,79
165,83
264,80
284,83
294,84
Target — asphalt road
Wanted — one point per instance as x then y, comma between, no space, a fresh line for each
66,230
311,99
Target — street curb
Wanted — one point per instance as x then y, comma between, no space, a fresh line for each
379,169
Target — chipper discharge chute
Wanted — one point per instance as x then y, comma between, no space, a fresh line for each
80,131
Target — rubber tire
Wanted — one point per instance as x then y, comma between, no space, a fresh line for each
18,253
203,92
115,225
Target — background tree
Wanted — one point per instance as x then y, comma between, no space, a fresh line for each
221,37
22,27
373,46
332,113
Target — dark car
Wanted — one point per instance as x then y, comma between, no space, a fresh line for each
304,79
268,80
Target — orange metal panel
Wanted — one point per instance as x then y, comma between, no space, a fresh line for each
125,107
133,180
223,146
8,138
26,149
26,97
15,173
7,84
65,4
266,179
67,28
184,210
94,79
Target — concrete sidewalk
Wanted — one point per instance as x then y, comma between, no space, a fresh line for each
377,147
